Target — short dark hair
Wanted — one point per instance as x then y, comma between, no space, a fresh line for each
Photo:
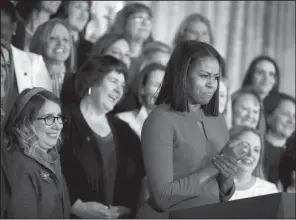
8,7
104,42
144,75
283,97
92,72
173,90
248,81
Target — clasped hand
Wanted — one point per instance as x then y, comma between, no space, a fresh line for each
226,162
98,210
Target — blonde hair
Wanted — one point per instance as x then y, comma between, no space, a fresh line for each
41,36
184,24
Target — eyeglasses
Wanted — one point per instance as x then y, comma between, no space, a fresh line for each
141,19
50,119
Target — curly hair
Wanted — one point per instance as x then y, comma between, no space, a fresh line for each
19,130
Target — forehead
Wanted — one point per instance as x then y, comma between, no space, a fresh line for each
141,12
59,28
265,64
247,98
156,75
116,75
209,64
49,107
287,105
120,43
250,137
197,24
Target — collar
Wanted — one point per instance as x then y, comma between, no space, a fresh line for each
135,119
49,160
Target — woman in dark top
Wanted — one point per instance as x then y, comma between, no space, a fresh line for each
264,75
32,135
184,133
90,155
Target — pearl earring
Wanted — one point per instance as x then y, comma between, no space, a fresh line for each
89,91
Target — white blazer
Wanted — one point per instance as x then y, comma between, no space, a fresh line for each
30,70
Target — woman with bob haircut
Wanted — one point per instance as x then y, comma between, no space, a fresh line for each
32,132
249,178
134,22
153,52
184,132
52,40
264,75
194,27
113,44
90,154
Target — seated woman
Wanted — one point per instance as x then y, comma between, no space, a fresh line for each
247,110
249,178
129,126
184,132
90,157
52,40
33,135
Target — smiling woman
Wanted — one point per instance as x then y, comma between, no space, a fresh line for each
90,154
53,41
249,178
32,133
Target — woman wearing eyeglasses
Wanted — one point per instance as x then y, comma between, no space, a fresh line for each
134,22
32,132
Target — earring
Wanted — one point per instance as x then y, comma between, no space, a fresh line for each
89,91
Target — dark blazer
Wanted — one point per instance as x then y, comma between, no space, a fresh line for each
82,162
132,163
38,191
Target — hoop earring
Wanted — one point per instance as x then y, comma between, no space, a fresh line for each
89,91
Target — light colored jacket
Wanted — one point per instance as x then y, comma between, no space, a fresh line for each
30,70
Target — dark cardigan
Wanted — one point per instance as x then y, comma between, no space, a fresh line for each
132,163
82,161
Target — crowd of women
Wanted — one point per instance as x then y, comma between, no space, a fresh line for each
130,127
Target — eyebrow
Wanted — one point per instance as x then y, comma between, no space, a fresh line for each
50,114
209,72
